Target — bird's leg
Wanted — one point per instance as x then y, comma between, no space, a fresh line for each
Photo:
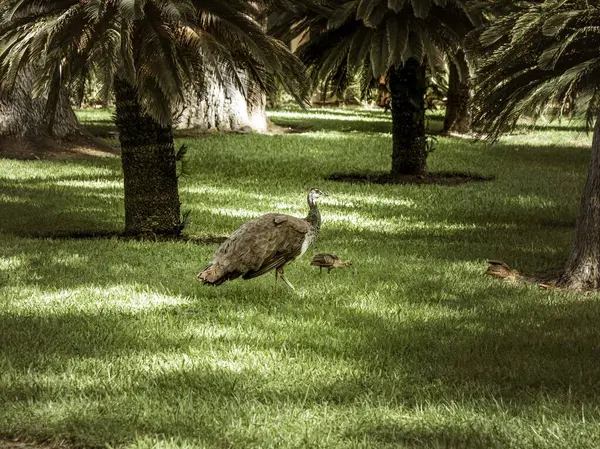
276,276
284,279
320,270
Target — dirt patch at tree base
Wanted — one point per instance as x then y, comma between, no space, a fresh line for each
72,147
438,178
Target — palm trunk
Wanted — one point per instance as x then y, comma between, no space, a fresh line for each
22,115
458,115
582,270
149,169
216,107
407,88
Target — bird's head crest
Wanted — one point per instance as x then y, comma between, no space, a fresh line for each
315,193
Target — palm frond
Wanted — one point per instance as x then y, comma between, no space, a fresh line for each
158,46
546,60
378,33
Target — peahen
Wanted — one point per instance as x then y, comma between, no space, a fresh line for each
266,243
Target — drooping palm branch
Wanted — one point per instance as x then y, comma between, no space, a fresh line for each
157,46
537,61
370,36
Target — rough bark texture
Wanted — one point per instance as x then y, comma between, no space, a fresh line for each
407,88
149,168
582,270
214,107
458,114
22,115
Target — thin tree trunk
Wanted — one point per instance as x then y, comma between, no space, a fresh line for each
149,169
582,270
407,88
458,114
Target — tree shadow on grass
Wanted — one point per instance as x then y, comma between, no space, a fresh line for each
463,232
38,205
321,124
554,126
437,178
465,435
573,158
483,356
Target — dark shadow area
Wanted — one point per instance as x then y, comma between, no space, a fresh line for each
546,156
353,121
489,357
24,339
105,129
107,234
24,213
525,127
438,178
177,273
337,125
473,228
344,111
445,436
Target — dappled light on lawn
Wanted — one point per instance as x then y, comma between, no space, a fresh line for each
326,135
91,184
10,263
330,115
113,341
577,139
332,124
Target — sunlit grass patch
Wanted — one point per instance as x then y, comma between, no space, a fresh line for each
330,114
110,341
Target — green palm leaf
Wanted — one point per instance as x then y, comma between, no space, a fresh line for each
396,5
381,33
142,41
547,58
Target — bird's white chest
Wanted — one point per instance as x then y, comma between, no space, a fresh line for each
305,245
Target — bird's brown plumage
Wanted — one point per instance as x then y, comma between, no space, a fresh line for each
260,245
499,269
329,261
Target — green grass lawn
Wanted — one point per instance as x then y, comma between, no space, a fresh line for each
113,342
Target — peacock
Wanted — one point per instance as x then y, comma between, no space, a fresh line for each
266,243
329,261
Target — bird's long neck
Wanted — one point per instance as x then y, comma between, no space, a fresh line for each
314,216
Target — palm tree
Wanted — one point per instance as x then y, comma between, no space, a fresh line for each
458,114
396,39
542,59
22,115
151,51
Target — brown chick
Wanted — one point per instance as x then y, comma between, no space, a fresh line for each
329,261
499,269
